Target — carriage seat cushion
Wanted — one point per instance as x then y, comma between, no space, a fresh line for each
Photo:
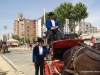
72,35
92,53
65,36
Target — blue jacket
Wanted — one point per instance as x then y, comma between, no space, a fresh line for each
35,53
49,24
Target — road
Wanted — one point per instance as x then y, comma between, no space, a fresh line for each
22,59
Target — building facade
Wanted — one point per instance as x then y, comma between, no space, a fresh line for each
98,30
66,26
86,28
25,28
38,28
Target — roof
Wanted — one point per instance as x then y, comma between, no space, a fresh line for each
89,36
12,40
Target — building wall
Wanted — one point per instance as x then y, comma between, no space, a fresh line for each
66,27
25,28
86,28
30,29
98,30
16,27
39,32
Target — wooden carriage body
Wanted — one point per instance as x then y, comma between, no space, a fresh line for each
59,47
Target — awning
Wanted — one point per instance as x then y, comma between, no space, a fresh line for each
96,36
12,41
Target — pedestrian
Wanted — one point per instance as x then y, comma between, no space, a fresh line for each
39,53
30,46
92,41
52,27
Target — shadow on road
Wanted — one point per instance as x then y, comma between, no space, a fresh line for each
3,72
6,52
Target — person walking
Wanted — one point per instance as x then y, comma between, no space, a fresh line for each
39,53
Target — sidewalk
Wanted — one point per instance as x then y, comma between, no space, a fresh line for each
19,48
5,68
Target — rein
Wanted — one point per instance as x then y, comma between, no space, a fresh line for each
90,49
74,55
72,60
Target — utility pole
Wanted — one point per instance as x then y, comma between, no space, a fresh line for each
0,35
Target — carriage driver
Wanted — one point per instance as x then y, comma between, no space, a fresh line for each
52,27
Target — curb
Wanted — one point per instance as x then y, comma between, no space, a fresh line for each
13,66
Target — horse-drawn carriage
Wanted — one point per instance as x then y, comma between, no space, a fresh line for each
64,57
3,47
54,64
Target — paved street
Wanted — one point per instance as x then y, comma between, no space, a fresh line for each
22,59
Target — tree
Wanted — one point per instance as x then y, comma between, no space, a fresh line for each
79,13
33,39
68,11
22,40
16,37
63,12
80,33
73,13
27,40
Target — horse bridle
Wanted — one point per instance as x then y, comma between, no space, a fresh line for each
72,60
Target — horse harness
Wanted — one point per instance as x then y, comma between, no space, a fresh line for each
72,61
91,53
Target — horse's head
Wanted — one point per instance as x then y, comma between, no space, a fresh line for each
96,46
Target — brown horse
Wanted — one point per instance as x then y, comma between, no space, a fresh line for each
82,61
96,46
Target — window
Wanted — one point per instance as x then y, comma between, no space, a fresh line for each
34,23
27,26
27,30
28,34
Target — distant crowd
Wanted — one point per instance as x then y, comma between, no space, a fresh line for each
30,46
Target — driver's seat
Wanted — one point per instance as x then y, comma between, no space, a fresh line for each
48,38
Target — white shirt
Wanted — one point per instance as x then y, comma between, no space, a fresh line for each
40,50
53,23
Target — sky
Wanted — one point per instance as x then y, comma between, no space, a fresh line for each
34,9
